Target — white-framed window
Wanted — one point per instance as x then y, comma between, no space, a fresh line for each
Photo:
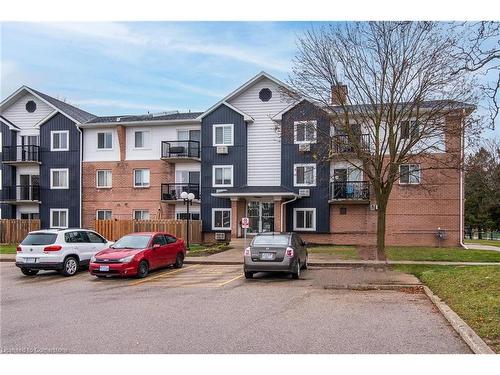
223,134
304,174
221,218
304,219
142,139
409,174
103,214
59,217
304,132
104,140
184,216
222,176
409,129
59,140
141,178
104,178
141,214
59,178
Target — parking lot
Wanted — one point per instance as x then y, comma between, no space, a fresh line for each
214,309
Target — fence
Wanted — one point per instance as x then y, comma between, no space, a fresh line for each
114,229
14,230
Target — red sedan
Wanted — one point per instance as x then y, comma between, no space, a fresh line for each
138,253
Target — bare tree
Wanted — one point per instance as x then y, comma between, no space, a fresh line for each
395,95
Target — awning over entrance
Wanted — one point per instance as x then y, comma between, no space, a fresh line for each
254,191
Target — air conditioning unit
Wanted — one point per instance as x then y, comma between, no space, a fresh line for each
304,192
222,149
220,236
305,147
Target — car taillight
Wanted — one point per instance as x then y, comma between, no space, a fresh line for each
53,248
18,249
289,252
247,252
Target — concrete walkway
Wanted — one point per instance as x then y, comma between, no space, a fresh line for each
475,246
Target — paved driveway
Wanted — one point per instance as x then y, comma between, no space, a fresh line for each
212,309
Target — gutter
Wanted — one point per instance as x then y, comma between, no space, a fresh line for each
283,209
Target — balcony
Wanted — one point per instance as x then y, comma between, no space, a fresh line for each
349,192
28,154
341,144
175,151
172,192
20,194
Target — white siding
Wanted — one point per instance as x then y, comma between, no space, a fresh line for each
18,115
90,151
263,142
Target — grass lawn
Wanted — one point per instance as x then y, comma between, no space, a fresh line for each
198,250
473,292
484,242
7,249
452,254
336,251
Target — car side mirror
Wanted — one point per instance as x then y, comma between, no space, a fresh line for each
156,245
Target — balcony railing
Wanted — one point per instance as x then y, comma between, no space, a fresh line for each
18,154
180,150
349,190
341,143
20,193
172,192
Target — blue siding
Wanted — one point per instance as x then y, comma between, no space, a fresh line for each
70,198
8,171
237,156
318,199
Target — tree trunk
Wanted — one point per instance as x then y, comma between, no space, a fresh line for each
381,218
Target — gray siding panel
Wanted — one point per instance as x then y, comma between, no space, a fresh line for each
8,172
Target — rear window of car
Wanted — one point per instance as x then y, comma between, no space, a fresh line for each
270,241
39,239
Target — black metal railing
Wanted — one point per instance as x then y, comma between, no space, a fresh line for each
341,143
172,191
20,193
355,190
27,153
180,149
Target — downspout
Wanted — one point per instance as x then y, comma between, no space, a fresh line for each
283,210
81,173
462,145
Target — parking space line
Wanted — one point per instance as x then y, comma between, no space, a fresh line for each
233,279
163,275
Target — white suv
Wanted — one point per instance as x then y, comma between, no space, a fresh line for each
63,250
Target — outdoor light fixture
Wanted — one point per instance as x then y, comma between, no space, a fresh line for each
188,201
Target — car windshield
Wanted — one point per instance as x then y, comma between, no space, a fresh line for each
132,242
39,239
278,240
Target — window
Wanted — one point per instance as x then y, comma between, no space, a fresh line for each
58,217
30,216
159,240
304,219
142,139
222,176
221,218
76,237
104,141
409,174
59,140
103,214
343,210
184,216
141,214
304,132
410,129
304,175
223,135
59,179
95,238
104,179
141,178
31,106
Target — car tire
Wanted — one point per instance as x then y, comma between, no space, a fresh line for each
70,266
28,272
179,260
296,273
305,265
248,275
142,269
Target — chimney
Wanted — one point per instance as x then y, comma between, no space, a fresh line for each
339,94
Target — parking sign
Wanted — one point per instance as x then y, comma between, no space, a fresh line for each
245,223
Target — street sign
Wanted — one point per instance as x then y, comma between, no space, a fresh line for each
245,222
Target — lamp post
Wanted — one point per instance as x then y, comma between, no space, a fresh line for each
188,201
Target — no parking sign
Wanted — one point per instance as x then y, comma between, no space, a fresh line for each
245,223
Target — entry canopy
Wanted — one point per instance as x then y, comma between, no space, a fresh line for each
254,191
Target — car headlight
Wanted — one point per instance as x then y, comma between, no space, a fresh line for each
92,259
126,259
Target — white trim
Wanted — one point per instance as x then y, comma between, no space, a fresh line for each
295,183
103,210
148,147
139,123
410,183
60,210
52,170
1,141
133,178
312,122
141,210
112,141
295,219
9,124
52,132
97,178
279,194
213,218
214,127
213,176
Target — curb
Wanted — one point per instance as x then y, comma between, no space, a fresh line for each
475,343
361,287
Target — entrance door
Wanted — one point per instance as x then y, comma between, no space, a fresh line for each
260,216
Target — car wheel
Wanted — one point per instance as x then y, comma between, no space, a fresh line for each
142,269
70,266
248,275
296,273
305,265
179,260
28,272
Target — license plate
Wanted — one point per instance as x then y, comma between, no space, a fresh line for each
30,260
267,256
103,268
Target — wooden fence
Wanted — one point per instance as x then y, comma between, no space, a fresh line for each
13,231
114,229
